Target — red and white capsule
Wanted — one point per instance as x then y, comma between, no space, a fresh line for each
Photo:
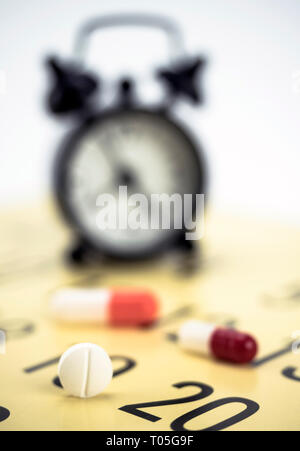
116,307
222,343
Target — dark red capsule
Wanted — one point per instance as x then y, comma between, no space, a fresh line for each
233,346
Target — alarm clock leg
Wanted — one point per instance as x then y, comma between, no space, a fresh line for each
191,255
185,245
80,253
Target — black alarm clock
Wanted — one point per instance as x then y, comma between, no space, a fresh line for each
127,145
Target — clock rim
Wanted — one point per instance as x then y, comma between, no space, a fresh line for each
68,146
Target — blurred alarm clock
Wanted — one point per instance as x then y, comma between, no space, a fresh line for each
125,145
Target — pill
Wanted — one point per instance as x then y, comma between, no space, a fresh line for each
85,370
116,307
222,343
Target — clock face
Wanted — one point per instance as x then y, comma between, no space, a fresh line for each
143,153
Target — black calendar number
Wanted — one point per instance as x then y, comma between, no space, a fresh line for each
251,408
274,355
134,409
128,364
56,381
289,372
179,423
4,413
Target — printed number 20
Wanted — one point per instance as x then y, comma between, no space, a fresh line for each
179,423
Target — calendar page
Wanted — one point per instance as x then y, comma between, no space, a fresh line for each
245,277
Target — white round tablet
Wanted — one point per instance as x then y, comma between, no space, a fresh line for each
85,370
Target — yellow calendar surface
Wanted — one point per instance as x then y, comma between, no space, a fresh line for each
248,279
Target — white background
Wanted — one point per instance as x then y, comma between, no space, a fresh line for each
249,125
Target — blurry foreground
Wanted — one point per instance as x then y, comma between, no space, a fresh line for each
248,279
